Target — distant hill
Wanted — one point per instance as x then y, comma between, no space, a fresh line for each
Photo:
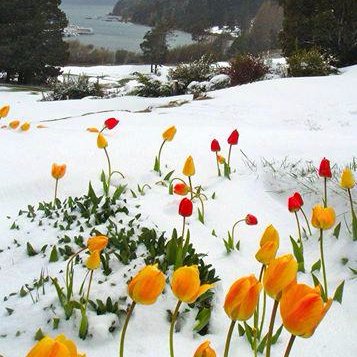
92,2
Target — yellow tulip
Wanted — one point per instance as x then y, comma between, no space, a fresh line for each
93,261
280,273
57,347
147,285
97,243
14,124
347,179
242,298
25,126
101,141
269,245
4,111
302,309
323,217
189,167
205,350
58,171
169,133
93,130
186,285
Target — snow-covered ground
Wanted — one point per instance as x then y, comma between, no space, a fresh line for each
295,118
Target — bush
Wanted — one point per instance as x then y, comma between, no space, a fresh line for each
150,87
127,57
197,71
308,63
74,88
245,69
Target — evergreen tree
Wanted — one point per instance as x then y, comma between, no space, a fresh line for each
31,44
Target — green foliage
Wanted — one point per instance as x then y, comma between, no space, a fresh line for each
150,87
307,63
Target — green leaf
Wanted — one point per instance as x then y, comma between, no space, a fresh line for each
275,337
249,333
168,176
339,293
30,250
133,193
241,330
91,194
39,335
202,319
201,217
157,165
54,255
316,266
118,192
83,328
262,344
227,170
336,231
299,254
9,311
171,189
354,226
56,322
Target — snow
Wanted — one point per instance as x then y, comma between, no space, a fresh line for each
294,118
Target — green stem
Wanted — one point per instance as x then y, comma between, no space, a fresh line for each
351,201
299,231
290,345
122,338
159,156
56,188
233,228
229,337
271,327
116,172
183,228
172,326
306,220
218,169
263,314
323,262
203,208
83,282
325,190
109,166
67,268
229,156
89,286
190,183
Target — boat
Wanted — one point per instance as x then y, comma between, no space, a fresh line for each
74,31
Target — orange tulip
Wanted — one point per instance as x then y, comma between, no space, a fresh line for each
323,217
4,111
41,126
221,160
280,273
242,298
302,309
25,126
97,243
269,245
147,285
93,130
189,167
101,141
169,133
14,124
93,261
57,347
58,171
205,350
186,284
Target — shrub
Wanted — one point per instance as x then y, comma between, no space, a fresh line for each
150,87
127,57
74,88
197,71
307,63
245,69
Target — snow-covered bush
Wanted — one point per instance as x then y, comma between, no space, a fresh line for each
245,69
220,81
151,87
199,87
308,63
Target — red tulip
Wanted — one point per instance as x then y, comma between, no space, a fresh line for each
293,204
251,220
185,208
181,189
298,198
215,146
111,123
233,138
325,170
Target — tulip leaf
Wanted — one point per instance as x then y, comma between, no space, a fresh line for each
56,322
275,337
339,293
83,328
241,330
30,250
299,254
91,194
262,344
118,192
201,217
354,225
249,333
227,170
168,175
157,165
336,231
39,335
54,255
316,266
202,319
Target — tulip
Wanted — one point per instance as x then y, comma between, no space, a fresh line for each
57,172
233,138
111,123
169,133
25,126
4,111
144,288
215,146
97,243
93,130
185,207
269,245
347,179
14,124
221,160
41,126
93,261
102,142
241,302
181,189
294,204
189,167
323,217
54,347
205,350
251,220
298,197
325,170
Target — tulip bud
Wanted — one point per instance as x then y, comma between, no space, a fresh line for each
147,285
205,350
302,309
41,126
93,130
221,160
269,245
185,207
93,261
25,126
4,111
189,167
242,298
325,170
323,217
186,285
347,179
169,133
58,171
215,147
251,220
111,123
54,347
101,141
181,189
233,138
97,243
293,204
298,198
14,124
280,273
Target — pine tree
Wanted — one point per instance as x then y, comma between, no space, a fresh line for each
31,44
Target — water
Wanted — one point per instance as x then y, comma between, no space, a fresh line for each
111,35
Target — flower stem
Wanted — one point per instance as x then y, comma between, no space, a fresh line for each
172,326
183,228
271,326
351,201
122,338
67,270
89,286
109,166
323,262
218,169
325,190
56,188
190,183
263,313
290,345
306,220
159,156
233,228
299,231
229,337
203,208
229,156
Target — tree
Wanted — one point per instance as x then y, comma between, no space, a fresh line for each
155,47
31,44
